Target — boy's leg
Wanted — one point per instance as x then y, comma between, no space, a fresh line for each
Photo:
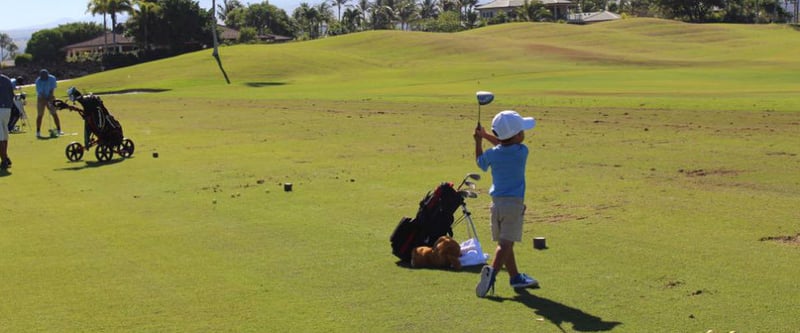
510,214
502,254
510,261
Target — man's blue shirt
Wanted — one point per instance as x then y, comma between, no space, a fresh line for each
44,87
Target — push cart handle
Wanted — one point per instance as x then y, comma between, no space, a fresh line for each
61,105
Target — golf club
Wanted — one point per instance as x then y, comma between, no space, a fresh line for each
468,194
465,181
484,98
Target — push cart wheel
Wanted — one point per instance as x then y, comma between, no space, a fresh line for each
126,148
103,153
74,151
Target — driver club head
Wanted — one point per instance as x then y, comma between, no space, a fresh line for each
484,97
474,176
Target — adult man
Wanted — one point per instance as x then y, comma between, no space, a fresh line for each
45,88
6,101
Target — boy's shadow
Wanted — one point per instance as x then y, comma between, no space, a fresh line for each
558,313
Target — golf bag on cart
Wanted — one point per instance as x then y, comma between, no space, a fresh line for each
99,121
434,219
101,129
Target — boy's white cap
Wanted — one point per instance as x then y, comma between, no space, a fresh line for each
508,123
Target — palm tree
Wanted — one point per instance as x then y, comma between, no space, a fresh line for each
406,12
144,9
100,7
363,6
339,4
324,16
306,16
528,12
428,9
467,6
352,19
114,7
450,5
226,7
384,14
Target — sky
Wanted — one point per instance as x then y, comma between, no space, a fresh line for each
22,14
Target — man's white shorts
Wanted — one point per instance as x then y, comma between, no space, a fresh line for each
5,117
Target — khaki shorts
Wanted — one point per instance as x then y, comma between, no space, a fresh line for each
5,117
507,218
41,103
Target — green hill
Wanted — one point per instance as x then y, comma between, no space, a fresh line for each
625,63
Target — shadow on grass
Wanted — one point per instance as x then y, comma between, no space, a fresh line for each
92,164
131,91
558,313
264,84
476,269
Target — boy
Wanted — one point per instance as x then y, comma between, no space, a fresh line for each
507,161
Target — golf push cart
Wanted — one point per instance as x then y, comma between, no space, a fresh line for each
100,129
18,114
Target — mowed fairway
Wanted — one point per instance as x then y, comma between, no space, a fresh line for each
664,172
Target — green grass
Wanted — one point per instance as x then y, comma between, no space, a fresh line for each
664,153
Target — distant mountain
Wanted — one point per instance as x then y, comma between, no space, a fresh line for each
21,36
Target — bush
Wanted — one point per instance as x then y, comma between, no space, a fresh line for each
448,21
247,35
23,59
117,60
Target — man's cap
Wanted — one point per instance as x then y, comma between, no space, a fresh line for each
507,124
43,73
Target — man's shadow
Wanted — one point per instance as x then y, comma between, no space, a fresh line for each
558,313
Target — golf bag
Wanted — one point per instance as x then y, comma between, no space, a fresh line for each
12,120
17,113
99,121
434,219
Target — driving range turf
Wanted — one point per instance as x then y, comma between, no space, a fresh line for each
663,172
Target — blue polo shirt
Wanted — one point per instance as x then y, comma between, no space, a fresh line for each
44,87
508,169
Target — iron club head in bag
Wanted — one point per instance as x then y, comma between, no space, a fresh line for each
468,194
484,98
465,181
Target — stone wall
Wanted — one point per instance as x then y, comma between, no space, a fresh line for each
62,71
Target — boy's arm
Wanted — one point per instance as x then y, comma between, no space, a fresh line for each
478,142
491,138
